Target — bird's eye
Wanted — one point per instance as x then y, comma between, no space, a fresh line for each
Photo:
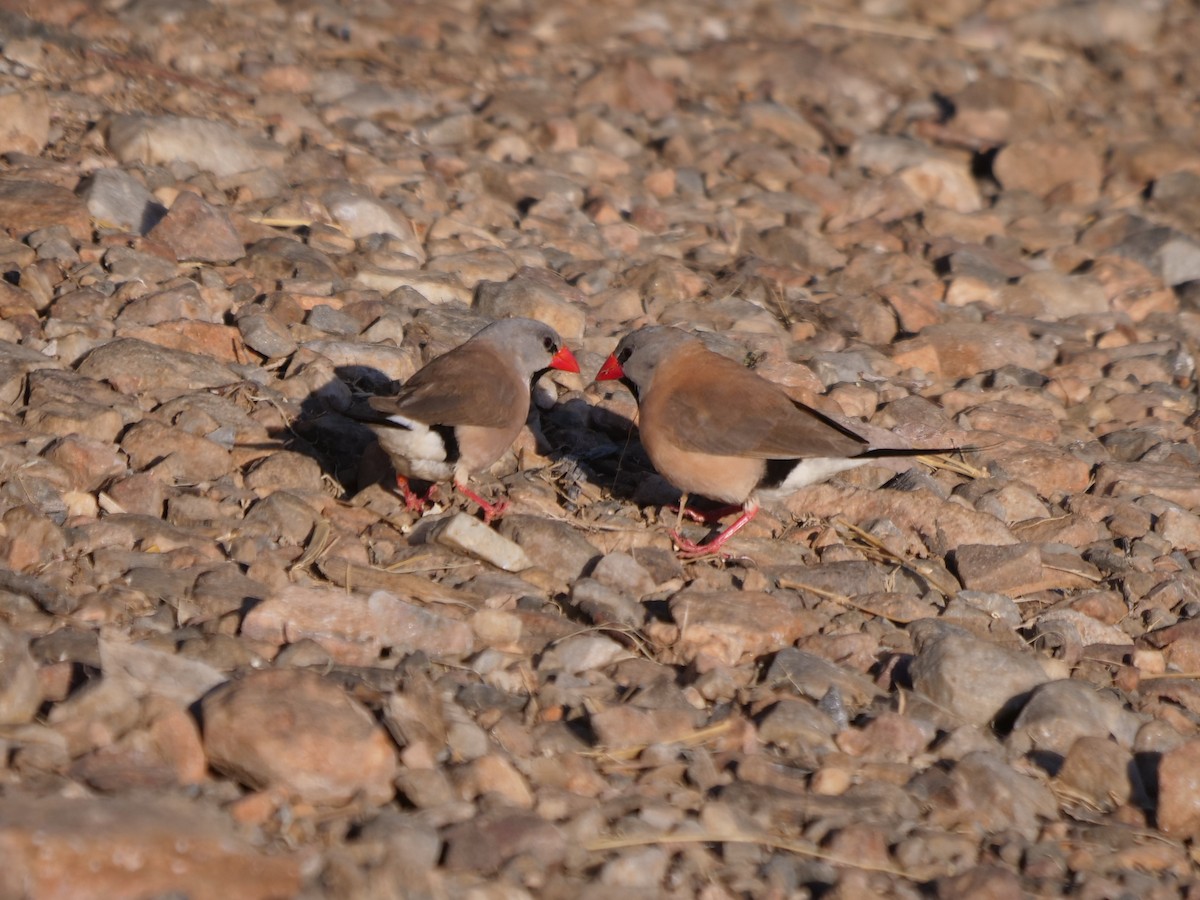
548,343
624,355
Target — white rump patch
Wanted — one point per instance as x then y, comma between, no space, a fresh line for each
809,471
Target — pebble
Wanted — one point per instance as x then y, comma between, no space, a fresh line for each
468,535
1041,166
116,197
1102,772
195,230
293,731
27,206
974,680
26,117
208,145
355,630
20,687
1178,809
133,366
555,546
488,842
1001,796
727,626
1061,712
535,294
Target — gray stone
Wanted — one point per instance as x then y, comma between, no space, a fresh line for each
973,679
20,689
116,197
1060,712
468,535
207,145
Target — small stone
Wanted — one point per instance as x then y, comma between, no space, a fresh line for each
116,197
732,626
487,842
91,463
943,182
536,294
783,122
622,572
332,321
26,206
194,229
20,688
1179,528
1179,791
557,546
628,726
985,882
208,145
1063,296
888,738
285,470
26,121
142,670
797,726
1014,570
497,628
32,540
959,350
582,653
1099,770
165,753
350,358
134,367
973,679
1000,797
180,457
409,847
264,333
1061,712
1139,479
140,494
356,629
604,605
816,678
157,307
493,774
360,215
292,730
468,535
1044,166
1094,27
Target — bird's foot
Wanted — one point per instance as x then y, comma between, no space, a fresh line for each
691,550
414,501
491,511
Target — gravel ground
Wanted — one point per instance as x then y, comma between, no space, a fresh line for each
233,664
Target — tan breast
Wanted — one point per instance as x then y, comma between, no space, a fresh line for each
729,479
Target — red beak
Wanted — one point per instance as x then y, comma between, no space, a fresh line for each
564,359
611,370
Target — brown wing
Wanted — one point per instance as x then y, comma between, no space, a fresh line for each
716,406
467,386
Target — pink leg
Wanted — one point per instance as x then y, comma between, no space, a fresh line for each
690,548
413,501
490,510
711,517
